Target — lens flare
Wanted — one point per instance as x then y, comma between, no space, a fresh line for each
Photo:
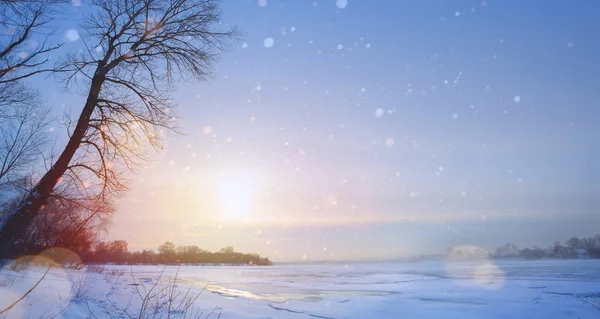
472,266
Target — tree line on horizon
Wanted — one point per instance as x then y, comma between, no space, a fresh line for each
116,251
71,227
573,248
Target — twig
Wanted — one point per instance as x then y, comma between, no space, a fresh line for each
172,290
62,311
27,293
211,312
90,310
147,298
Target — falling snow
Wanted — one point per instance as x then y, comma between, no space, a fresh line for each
341,4
322,85
72,35
269,42
389,142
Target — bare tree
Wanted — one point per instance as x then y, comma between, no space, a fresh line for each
68,220
21,53
136,50
22,115
23,136
24,52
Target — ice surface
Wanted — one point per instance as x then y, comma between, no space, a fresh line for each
485,289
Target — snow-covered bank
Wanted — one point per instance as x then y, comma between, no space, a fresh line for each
487,289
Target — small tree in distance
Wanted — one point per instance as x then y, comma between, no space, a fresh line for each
574,243
166,252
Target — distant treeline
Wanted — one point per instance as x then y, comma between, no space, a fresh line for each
573,248
117,252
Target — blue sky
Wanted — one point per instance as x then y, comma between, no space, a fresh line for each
383,128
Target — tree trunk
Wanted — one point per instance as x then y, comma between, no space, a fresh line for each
18,221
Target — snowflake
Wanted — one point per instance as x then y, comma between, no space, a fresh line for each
517,99
341,4
72,35
269,42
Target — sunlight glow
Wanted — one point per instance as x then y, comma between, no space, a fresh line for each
236,195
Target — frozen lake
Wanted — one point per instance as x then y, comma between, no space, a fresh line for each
486,289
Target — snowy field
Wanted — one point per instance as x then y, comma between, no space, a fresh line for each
490,289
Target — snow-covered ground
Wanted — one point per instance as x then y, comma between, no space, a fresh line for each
487,289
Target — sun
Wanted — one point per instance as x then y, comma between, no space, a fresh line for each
236,196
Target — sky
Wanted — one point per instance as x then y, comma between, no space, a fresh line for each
337,130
